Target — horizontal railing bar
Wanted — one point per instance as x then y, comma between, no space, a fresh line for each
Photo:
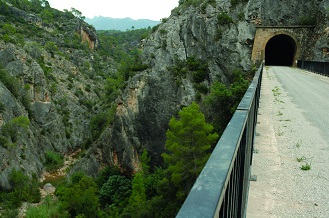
208,189
208,196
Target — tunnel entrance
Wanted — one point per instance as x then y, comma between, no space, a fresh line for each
280,50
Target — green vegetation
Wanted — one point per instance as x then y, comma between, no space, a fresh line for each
224,19
298,144
307,20
191,66
49,208
16,89
100,121
189,140
12,128
306,166
54,160
22,189
79,196
154,191
222,101
236,2
300,159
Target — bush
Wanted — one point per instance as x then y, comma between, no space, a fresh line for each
79,196
307,20
3,141
99,122
222,101
2,107
224,19
9,29
22,189
116,191
192,65
49,208
54,160
14,126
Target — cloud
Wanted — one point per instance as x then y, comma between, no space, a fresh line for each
141,9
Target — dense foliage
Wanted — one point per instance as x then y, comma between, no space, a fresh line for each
22,189
222,101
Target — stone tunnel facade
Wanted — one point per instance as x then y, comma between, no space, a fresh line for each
299,34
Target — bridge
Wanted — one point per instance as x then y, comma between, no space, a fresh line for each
282,148
272,159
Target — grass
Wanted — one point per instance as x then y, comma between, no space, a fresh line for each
306,167
280,133
276,91
280,113
300,159
298,144
286,120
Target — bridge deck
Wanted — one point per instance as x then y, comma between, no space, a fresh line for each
293,123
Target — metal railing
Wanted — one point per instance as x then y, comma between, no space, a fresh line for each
221,190
314,66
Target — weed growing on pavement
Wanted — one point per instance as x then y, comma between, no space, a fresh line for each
306,166
298,144
280,133
300,159
286,120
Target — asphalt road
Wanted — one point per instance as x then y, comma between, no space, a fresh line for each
309,92
291,133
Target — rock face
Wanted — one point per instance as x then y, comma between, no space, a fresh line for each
54,87
319,42
217,32
154,96
282,12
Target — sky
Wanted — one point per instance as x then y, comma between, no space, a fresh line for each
135,9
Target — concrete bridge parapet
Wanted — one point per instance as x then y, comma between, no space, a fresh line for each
299,34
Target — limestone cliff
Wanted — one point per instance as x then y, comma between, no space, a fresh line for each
64,87
51,81
219,32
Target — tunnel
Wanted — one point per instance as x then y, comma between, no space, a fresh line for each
280,50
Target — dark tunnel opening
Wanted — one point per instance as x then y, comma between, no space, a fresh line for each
280,51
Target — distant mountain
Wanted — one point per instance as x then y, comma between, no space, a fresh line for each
107,23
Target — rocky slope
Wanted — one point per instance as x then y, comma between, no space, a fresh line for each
219,32
47,76
65,89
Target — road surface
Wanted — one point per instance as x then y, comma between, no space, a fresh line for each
292,133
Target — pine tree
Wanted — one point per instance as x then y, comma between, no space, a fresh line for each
189,140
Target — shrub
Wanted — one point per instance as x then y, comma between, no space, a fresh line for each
99,122
22,189
51,47
192,65
54,160
224,19
307,20
12,128
79,196
2,107
3,141
116,191
9,29
49,208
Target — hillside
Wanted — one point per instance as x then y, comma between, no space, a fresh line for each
122,24
107,99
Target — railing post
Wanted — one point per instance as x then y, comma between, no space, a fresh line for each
221,190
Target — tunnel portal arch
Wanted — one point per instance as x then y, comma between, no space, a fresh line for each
280,50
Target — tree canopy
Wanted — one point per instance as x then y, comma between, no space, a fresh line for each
189,140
